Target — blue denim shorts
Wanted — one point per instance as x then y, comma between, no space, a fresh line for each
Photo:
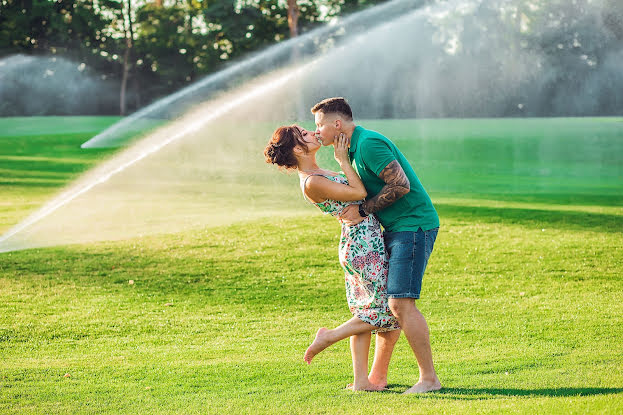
408,255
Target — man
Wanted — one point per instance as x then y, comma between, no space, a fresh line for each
410,221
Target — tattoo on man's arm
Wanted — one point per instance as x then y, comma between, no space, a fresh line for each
397,186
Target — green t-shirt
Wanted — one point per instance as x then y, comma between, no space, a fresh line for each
370,153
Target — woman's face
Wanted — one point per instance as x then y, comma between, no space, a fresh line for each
310,139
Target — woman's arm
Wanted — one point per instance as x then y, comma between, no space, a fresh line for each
319,189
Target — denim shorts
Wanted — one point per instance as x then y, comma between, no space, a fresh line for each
408,255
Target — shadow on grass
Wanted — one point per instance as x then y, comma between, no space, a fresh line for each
483,393
36,182
579,199
539,219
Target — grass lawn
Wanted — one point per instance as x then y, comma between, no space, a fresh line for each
523,295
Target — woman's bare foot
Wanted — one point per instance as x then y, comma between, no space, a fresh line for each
382,382
367,386
424,386
321,342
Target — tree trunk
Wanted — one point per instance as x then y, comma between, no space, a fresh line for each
129,36
124,81
293,18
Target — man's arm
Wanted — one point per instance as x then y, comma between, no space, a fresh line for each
396,186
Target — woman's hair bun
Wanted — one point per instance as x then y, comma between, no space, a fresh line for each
280,148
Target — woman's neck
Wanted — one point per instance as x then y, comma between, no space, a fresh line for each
308,165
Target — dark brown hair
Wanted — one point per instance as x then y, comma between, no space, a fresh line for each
280,148
333,105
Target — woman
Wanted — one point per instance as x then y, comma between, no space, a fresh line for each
362,250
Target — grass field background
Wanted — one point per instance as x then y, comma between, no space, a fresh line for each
523,294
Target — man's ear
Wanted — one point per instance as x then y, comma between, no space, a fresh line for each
338,124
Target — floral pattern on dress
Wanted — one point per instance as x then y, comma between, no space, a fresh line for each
364,260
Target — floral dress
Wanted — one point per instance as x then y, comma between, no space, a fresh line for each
364,259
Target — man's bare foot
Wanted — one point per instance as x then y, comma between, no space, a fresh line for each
424,386
321,342
368,387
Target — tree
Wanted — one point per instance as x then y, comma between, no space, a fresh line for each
129,39
71,27
164,45
293,17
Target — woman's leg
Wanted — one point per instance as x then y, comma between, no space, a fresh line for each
325,337
385,343
359,350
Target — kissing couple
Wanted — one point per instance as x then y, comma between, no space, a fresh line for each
389,228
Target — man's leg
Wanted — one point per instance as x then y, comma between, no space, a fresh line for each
414,326
385,342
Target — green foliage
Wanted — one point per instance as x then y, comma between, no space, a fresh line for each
350,6
169,51
67,27
191,39
173,45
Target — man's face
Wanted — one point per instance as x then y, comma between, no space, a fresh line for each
326,127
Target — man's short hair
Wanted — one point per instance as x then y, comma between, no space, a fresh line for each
334,105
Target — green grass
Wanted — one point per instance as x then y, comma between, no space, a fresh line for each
40,154
523,295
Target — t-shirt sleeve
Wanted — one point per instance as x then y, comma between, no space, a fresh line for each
376,154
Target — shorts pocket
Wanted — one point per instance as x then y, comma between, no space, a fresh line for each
400,246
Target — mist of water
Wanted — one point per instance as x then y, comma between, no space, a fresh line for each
292,52
45,85
404,59
456,59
